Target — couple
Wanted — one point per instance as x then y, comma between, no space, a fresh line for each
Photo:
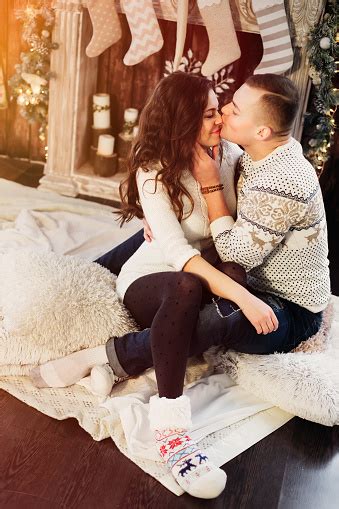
262,209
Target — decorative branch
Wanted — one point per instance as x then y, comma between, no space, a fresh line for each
30,83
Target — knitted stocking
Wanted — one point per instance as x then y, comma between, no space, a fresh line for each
146,34
106,26
224,47
274,31
191,468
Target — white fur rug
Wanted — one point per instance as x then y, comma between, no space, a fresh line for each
304,382
227,418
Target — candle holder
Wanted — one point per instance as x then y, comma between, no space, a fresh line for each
105,166
92,154
122,164
127,135
124,145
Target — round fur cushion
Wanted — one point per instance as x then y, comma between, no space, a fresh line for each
53,305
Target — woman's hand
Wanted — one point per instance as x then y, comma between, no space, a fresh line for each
206,169
148,235
259,313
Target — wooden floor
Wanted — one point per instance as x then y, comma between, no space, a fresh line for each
52,464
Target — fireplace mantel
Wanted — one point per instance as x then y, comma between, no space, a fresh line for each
67,170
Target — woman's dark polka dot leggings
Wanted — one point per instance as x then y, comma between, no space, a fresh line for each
168,303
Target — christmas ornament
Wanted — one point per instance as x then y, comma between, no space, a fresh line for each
106,26
144,26
278,54
35,81
325,43
223,43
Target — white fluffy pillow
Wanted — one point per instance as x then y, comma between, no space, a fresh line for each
53,305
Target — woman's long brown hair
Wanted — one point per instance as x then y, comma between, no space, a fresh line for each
169,127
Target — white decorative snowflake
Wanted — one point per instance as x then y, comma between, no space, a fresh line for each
221,79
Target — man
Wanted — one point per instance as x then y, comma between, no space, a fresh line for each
279,237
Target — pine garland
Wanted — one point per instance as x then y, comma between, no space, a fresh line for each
30,83
323,55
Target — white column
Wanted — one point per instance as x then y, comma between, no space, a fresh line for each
70,89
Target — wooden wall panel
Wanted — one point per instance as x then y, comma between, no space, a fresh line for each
17,127
130,86
3,60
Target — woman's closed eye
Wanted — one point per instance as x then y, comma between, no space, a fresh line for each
211,114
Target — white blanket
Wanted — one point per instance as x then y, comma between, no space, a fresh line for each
226,419
50,222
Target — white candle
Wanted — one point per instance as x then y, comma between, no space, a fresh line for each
135,131
101,111
105,145
131,115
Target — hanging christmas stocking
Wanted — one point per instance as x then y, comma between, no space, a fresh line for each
106,26
182,16
275,34
146,34
224,47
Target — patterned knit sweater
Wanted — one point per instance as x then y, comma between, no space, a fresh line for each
175,243
280,234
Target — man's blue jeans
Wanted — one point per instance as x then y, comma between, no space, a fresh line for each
220,322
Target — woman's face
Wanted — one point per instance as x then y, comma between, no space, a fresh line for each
211,125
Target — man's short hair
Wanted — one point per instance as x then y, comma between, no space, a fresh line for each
280,103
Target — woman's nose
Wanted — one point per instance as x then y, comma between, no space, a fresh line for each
218,119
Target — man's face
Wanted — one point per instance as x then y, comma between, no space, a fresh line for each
241,119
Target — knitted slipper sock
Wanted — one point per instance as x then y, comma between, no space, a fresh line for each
103,379
106,26
70,369
191,468
272,20
146,35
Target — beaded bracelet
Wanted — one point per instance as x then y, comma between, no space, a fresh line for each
211,189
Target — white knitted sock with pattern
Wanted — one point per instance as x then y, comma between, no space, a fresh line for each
190,466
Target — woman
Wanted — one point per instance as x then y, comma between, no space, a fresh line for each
162,284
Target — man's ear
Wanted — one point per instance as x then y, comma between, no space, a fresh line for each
263,133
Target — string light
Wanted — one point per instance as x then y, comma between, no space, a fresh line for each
319,124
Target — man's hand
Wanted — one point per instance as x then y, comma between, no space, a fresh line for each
206,169
148,235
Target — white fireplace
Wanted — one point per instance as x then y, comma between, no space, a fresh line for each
68,171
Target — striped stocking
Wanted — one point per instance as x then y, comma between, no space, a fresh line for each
146,34
274,31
